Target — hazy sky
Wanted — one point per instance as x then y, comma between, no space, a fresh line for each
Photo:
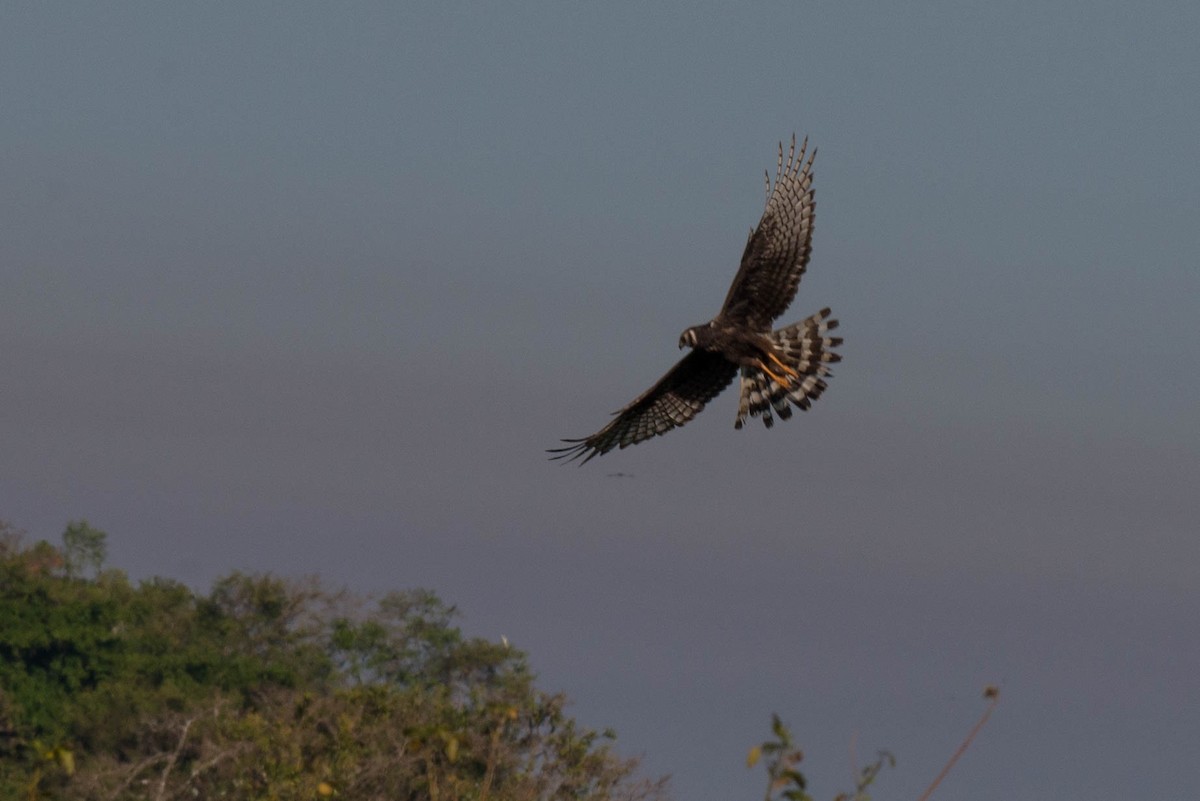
309,288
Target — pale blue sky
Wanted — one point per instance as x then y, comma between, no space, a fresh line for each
310,288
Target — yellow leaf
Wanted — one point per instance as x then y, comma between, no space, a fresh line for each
754,755
325,788
452,749
67,759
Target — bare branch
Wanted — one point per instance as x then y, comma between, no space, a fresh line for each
133,774
993,694
172,759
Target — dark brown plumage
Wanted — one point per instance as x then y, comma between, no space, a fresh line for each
778,368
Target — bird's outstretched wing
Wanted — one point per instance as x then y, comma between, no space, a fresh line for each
778,249
676,398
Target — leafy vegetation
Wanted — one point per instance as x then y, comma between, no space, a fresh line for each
266,688
785,782
272,689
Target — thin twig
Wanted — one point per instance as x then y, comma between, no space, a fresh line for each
162,782
990,692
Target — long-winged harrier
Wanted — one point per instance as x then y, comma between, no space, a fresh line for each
777,366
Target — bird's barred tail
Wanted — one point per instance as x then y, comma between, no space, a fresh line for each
807,349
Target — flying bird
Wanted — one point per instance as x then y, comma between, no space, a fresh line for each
778,367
